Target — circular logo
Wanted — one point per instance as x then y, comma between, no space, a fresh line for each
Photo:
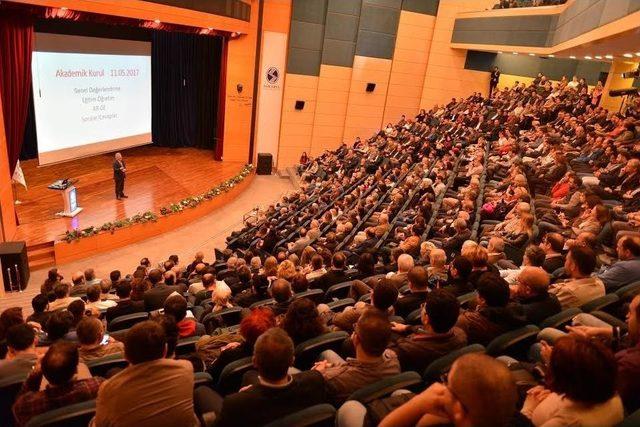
273,75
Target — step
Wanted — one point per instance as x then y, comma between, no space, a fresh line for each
41,255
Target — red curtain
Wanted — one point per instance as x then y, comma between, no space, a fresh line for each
16,44
222,95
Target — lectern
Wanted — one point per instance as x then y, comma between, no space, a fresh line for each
69,197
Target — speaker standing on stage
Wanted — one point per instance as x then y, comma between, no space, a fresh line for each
119,173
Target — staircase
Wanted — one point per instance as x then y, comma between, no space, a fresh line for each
41,255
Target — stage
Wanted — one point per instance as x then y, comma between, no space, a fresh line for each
156,177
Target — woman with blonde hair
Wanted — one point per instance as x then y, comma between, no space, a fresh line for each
286,270
437,271
307,254
220,297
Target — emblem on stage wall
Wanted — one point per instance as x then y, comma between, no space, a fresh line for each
272,77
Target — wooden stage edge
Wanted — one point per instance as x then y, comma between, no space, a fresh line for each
106,241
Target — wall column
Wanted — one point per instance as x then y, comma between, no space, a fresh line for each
615,81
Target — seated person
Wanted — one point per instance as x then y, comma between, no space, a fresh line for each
552,244
580,389
92,342
61,291
384,295
40,315
627,269
437,269
251,327
532,293
21,351
152,390
480,391
372,363
257,292
93,300
176,306
581,287
303,321
59,367
494,314
277,393
437,336
459,271
283,296
220,297
125,305
418,289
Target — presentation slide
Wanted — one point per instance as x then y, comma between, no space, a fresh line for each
91,95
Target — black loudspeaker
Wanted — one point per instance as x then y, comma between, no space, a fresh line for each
623,92
15,265
371,87
265,161
299,105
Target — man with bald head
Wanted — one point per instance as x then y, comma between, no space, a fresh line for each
119,174
480,391
198,259
401,277
531,292
79,284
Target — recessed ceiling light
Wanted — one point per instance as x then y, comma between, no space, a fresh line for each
637,53
609,56
572,57
157,21
588,57
532,54
515,53
628,55
210,28
598,57
499,51
64,8
551,56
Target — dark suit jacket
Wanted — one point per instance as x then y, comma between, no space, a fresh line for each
330,278
267,404
123,308
78,290
117,173
552,264
454,243
409,303
538,308
154,297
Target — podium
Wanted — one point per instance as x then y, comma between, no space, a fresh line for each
69,197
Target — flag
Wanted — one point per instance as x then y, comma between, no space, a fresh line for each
18,176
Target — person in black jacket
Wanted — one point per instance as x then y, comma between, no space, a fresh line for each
335,275
277,394
119,174
533,297
418,291
493,80
154,298
459,271
124,305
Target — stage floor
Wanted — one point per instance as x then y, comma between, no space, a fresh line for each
156,176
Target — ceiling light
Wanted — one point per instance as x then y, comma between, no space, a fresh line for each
64,8
628,55
637,53
499,51
515,53
572,57
532,54
157,21
210,28
551,56
588,57
609,56
598,57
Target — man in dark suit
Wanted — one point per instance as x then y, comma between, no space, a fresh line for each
125,305
418,290
493,80
277,393
335,275
119,173
154,298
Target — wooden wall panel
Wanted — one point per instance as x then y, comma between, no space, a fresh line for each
409,65
241,59
445,76
334,84
365,110
615,81
296,127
